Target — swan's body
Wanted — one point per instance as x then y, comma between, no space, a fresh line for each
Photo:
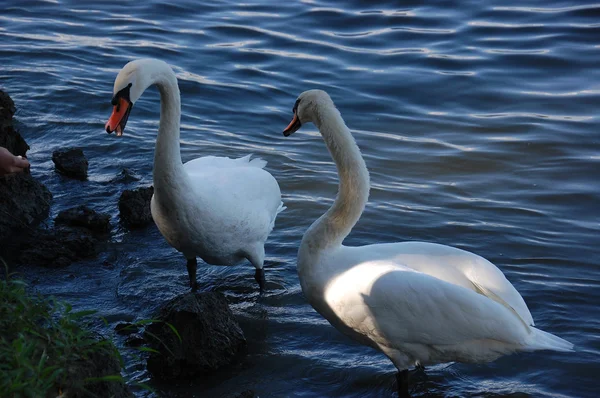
228,214
418,303
216,208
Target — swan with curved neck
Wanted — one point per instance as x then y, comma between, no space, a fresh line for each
216,208
419,303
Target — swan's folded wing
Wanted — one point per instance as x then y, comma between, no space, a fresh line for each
437,312
462,268
412,307
200,165
239,187
488,280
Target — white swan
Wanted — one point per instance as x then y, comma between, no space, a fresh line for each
418,303
219,209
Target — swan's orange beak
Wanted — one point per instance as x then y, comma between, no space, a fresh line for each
293,126
118,118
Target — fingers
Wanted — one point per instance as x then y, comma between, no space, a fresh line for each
15,169
21,163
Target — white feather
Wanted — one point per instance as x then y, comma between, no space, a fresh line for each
216,208
417,302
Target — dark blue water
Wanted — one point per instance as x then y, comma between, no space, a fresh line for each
478,121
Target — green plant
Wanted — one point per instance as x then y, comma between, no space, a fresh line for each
43,347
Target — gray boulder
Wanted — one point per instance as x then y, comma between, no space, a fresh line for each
97,364
245,394
71,162
24,201
211,338
134,207
55,248
83,216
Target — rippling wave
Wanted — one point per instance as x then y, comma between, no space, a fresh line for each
477,121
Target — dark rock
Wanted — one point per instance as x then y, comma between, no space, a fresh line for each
97,364
9,137
71,162
7,106
126,176
245,394
210,337
135,340
24,201
134,207
83,216
126,328
56,248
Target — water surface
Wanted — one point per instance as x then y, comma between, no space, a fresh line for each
477,119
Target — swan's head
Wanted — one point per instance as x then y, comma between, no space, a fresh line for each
128,88
306,109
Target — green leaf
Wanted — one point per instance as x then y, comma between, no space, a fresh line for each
148,349
146,321
115,378
174,331
155,337
145,387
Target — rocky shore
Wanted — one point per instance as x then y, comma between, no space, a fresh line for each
24,201
194,335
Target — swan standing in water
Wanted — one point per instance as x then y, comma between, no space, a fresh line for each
219,209
418,303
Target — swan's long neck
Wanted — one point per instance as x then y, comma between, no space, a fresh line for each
333,226
167,155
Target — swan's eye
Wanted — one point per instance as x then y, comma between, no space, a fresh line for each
123,93
295,108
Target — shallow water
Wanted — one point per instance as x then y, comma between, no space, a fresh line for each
477,120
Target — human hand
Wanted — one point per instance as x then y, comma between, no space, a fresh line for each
10,163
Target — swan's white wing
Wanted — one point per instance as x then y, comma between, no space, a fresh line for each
235,181
455,266
393,304
199,165
488,280
240,199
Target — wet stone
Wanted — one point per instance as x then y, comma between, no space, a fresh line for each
245,394
134,207
135,340
71,162
83,216
24,201
211,338
57,247
126,328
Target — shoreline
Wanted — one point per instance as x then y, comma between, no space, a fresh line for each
80,234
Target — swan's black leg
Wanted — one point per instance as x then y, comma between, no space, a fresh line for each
259,275
192,264
402,379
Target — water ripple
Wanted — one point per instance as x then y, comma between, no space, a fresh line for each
477,123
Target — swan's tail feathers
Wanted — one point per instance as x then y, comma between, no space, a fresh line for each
256,162
281,208
541,340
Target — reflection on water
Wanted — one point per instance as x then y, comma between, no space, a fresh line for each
477,121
